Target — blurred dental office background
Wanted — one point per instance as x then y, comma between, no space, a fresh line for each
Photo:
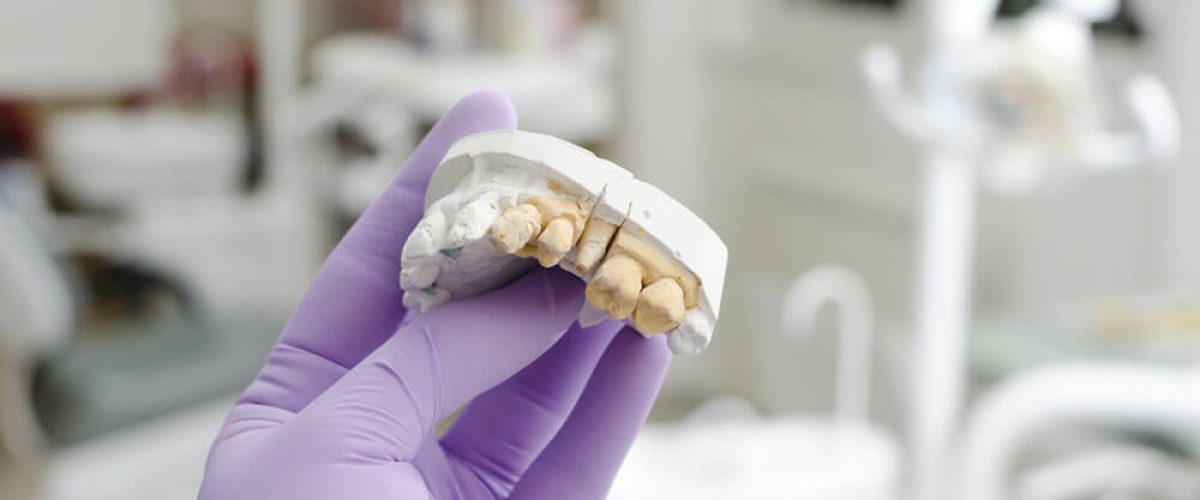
997,199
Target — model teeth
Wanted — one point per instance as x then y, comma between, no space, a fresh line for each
516,228
418,277
632,280
555,242
615,287
471,223
693,335
659,307
593,244
423,242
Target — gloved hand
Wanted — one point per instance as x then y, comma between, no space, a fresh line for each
346,405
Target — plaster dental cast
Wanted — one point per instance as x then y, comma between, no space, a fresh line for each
536,289
520,197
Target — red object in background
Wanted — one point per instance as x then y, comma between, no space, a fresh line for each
18,133
206,63
374,15
136,100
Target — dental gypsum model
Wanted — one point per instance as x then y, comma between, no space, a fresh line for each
502,202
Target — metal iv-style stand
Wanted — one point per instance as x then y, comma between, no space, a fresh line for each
999,108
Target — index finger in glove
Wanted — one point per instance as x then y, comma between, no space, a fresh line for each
354,303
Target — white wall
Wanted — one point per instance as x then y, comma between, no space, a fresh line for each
81,47
1176,55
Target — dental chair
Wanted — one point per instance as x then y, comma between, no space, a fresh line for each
1123,397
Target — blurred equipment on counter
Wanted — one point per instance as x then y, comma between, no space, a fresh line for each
149,271
112,159
559,72
523,28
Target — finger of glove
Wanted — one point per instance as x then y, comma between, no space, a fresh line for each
502,431
354,304
439,360
583,458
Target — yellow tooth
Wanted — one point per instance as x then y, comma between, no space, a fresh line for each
593,243
615,287
555,241
656,265
659,307
516,227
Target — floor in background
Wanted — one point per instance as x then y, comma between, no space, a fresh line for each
159,460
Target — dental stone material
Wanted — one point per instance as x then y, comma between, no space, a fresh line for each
503,202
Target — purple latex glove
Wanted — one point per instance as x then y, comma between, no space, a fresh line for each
346,405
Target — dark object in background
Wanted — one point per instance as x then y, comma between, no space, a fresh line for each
368,15
216,68
17,131
351,143
119,291
1126,23
124,375
872,3
145,350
